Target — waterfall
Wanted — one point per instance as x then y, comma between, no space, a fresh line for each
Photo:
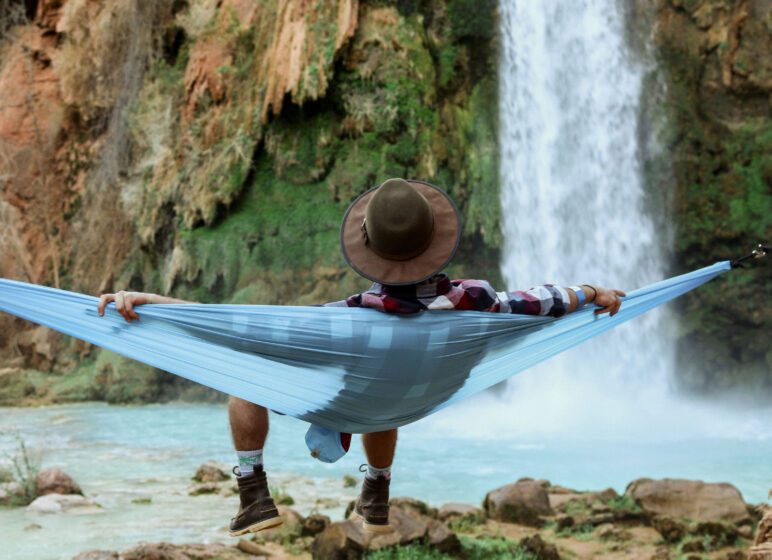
574,207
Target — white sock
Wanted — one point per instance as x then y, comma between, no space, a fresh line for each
374,472
248,460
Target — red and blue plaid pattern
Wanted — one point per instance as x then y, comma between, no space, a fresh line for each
439,292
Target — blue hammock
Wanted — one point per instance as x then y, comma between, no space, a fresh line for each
348,369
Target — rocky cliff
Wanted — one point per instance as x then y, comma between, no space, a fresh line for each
208,149
716,60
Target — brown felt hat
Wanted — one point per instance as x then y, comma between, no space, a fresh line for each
400,232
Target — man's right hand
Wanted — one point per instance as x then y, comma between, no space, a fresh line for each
124,303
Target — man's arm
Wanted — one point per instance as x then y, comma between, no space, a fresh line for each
125,302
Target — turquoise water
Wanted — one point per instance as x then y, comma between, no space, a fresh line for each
120,454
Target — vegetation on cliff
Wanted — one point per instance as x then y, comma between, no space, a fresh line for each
213,147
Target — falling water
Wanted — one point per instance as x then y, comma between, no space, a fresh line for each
574,204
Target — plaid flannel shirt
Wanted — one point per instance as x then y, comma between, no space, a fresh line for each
439,292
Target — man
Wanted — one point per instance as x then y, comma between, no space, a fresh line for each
400,235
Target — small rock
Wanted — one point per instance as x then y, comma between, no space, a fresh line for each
458,512
442,539
764,530
601,518
522,503
349,481
670,529
33,527
290,529
536,546
735,555
210,472
564,521
55,481
605,531
56,503
141,501
252,548
761,552
414,507
662,553
693,546
721,534
745,531
204,488
314,524
600,508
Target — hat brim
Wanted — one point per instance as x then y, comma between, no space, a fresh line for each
447,232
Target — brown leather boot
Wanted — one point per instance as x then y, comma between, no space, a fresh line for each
257,510
373,505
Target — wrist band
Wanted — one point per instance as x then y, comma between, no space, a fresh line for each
579,294
594,291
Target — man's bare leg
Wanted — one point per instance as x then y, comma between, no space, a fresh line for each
249,427
379,448
249,424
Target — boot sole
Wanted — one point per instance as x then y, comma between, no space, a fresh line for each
256,527
372,527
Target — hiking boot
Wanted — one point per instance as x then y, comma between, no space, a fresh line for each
373,505
257,510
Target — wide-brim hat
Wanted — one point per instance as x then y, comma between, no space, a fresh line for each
400,232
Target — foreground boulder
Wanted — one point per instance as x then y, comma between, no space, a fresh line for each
167,551
348,539
523,503
55,481
690,499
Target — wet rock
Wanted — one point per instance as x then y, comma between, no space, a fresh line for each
33,527
315,524
210,472
97,555
458,512
523,503
56,481
57,503
690,499
671,529
538,548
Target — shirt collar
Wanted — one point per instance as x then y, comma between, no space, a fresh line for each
437,285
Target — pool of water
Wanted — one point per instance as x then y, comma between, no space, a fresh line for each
121,455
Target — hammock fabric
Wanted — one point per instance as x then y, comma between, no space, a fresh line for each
347,369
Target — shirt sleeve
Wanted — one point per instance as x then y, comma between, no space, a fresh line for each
541,300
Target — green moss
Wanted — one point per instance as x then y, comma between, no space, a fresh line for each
473,549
